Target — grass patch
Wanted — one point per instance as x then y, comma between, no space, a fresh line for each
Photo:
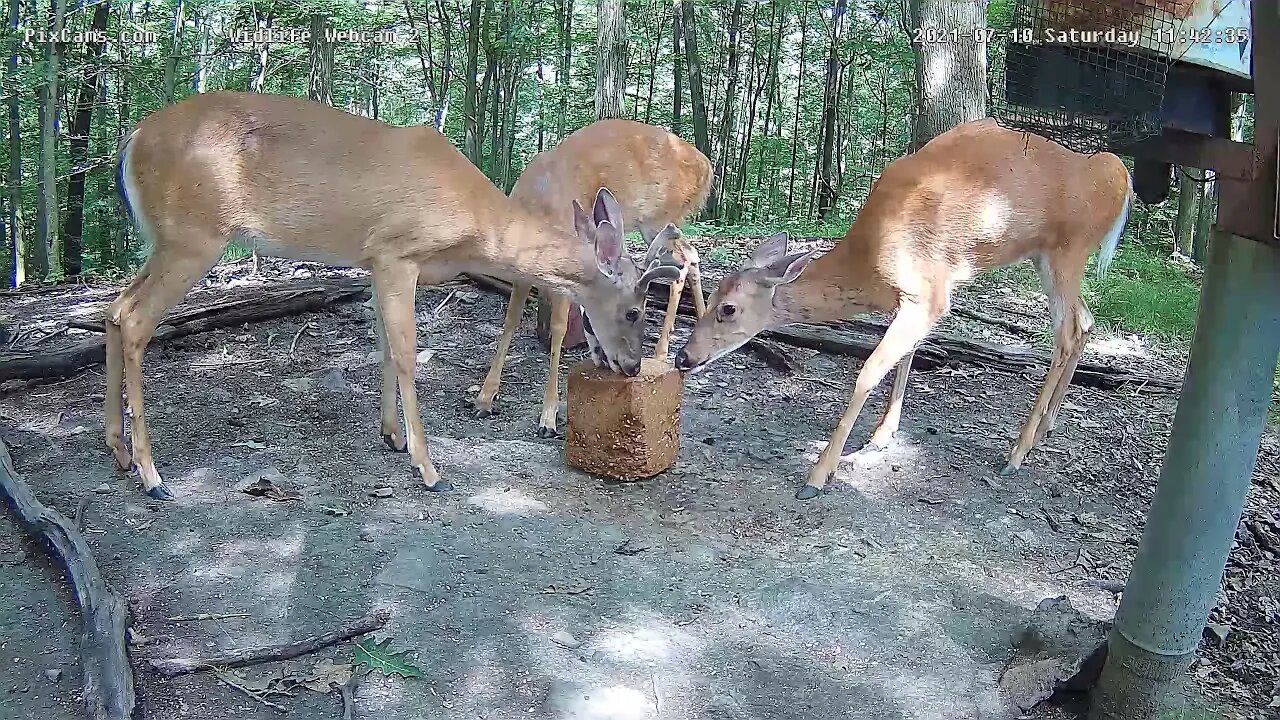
1143,292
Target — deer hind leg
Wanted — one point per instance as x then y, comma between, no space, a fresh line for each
392,432
131,322
887,430
395,283
551,391
694,276
1072,323
483,403
912,324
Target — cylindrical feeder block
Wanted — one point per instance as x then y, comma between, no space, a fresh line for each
625,428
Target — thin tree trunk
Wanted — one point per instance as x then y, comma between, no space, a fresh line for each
759,78
169,81
490,69
611,60
446,69
689,32
1188,194
81,125
826,182
795,125
716,201
653,71
17,254
677,72
259,80
564,73
320,73
470,119
201,78
951,78
48,207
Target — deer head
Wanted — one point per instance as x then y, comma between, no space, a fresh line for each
613,295
743,303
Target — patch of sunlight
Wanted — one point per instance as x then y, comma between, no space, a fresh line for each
91,311
616,702
200,482
872,474
507,501
485,675
938,73
1130,345
636,644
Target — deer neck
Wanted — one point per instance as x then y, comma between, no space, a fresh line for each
839,285
532,250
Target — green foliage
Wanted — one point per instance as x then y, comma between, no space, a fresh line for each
378,656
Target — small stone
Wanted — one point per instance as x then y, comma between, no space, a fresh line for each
564,639
103,489
53,674
366,535
383,492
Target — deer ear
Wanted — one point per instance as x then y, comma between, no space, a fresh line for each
581,223
607,208
769,251
788,268
608,248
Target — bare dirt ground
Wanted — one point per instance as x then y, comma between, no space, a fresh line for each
535,591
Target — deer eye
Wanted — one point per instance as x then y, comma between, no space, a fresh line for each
727,310
633,315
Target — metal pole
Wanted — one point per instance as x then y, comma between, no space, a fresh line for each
1213,449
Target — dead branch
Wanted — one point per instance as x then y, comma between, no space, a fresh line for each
108,679
226,678
258,306
992,320
171,667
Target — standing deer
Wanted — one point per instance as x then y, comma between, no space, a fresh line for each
658,178
976,197
306,181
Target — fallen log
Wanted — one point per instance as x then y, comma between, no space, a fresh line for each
108,678
258,306
858,337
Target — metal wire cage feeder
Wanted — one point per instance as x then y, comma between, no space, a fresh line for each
1089,74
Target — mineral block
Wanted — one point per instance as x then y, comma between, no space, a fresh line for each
621,427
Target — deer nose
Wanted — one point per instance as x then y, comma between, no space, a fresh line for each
633,369
682,360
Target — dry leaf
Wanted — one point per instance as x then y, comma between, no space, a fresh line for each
326,674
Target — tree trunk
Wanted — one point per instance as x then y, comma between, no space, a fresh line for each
795,123
169,81
758,79
677,81
46,236
470,120
259,80
320,73
446,69
653,71
200,81
951,77
689,32
490,68
81,124
715,203
17,254
826,181
1188,193
611,60
565,71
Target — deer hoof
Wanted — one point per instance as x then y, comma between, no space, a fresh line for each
160,492
547,432
481,414
440,485
396,444
1008,470
808,492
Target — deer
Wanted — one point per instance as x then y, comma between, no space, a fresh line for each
976,197
658,178
305,181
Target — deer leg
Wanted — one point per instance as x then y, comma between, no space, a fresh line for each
1084,321
551,391
1068,344
257,263
515,310
392,432
912,323
395,284
887,430
113,404
163,282
669,319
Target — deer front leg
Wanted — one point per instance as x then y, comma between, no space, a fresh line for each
695,289
395,284
551,391
489,391
669,320
392,433
887,430
912,323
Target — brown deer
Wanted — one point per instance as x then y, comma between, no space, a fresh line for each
658,178
306,181
976,197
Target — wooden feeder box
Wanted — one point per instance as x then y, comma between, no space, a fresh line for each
625,428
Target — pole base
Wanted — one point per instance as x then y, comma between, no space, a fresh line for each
1141,685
